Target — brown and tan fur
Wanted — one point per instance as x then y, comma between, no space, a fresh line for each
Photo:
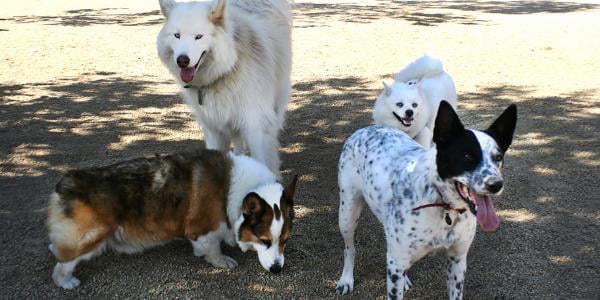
143,202
152,199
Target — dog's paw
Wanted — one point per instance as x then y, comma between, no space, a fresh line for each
407,283
68,283
222,261
344,287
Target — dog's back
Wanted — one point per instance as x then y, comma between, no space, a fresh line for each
148,199
435,83
379,158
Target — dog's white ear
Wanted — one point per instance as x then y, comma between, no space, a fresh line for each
387,90
166,6
217,13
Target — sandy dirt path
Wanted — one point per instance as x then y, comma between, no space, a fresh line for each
81,85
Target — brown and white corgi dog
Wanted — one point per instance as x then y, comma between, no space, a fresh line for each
205,197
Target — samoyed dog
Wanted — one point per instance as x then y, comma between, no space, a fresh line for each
232,60
411,102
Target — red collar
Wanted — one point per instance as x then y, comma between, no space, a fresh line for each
443,205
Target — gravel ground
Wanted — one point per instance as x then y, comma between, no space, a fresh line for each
81,85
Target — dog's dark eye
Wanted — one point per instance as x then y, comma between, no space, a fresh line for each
498,157
399,104
198,36
266,242
177,35
415,105
468,156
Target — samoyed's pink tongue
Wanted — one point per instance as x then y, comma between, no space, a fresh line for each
486,213
187,74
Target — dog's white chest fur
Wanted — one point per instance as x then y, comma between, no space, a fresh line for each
395,175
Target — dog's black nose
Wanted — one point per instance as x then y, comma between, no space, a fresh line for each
275,268
183,61
494,186
409,112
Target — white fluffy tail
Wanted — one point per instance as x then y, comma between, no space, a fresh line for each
424,66
281,8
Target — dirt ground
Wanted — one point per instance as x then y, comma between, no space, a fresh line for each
81,85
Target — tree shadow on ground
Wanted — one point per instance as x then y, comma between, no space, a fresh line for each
425,13
548,235
89,17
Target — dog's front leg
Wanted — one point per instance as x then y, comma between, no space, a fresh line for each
396,276
457,266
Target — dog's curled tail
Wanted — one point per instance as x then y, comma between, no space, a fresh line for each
424,66
280,8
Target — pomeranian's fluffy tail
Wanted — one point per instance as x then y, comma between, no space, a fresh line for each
424,66
280,8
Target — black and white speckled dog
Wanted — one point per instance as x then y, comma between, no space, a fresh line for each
425,199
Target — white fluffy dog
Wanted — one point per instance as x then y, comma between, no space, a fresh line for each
232,59
411,102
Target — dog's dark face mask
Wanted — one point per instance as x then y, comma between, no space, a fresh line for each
471,160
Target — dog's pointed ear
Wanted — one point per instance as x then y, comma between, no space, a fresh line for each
387,90
447,124
503,128
166,6
288,192
217,13
287,197
253,207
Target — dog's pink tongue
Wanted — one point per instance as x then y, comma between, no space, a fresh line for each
187,74
486,213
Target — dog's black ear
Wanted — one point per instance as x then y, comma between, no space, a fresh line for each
166,6
447,124
288,192
503,128
287,198
217,14
253,207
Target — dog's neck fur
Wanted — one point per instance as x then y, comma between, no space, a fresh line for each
246,175
444,187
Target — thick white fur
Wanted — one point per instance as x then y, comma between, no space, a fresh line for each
247,175
244,76
423,82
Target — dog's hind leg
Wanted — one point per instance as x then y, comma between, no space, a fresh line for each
239,147
78,237
216,140
351,205
263,145
63,271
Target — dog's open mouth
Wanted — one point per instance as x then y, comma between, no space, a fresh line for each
485,211
404,121
187,74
